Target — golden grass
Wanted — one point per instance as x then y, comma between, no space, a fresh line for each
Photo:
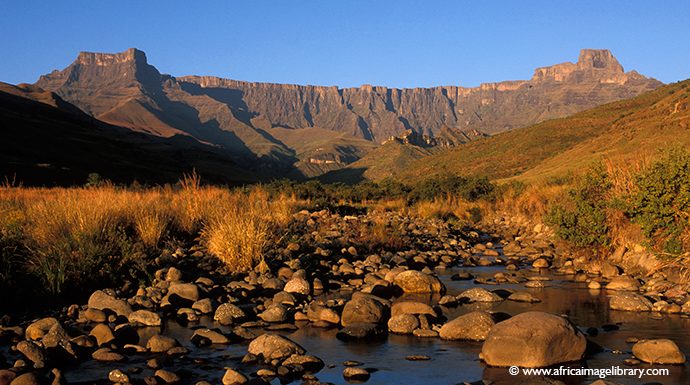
71,234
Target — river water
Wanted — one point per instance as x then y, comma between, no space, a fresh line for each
451,362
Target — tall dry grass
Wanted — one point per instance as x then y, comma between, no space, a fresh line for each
67,236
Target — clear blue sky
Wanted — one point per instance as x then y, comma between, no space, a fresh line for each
397,43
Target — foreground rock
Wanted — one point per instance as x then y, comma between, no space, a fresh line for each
533,339
661,351
473,326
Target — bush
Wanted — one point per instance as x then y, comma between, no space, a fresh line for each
661,202
582,219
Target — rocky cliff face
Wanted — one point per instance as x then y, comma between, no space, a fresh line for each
123,89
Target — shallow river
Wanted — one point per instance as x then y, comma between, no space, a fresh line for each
451,362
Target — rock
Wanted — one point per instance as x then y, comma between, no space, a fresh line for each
412,307
167,376
181,293
355,374
103,334
211,336
101,301
320,313
540,263
659,351
203,306
233,377
298,285
364,308
145,318
623,282
523,296
38,329
533,339
478,294
403,324
274,313
6,376
448,301
26,379
274,346
33,353
117,375
425,333
413,281
473,326
418,358
173,275
629,302
594,285
106,355
95,315
309,363
227,314
161,344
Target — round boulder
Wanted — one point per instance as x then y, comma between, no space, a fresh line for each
274,346
413,281
473,326
661,351
533,339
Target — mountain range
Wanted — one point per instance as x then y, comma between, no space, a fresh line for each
236,131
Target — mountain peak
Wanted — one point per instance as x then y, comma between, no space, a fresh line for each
96,58
598,58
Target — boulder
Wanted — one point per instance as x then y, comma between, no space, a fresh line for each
523,296
478,294
33,353
233,377
297,285
356,374
473,326
145,318
319,313
411,307
274,313
403,324
40,328
413,281
161,344
227,314
274,346
533,339
101,301
660,351
629,302
364,308
623,283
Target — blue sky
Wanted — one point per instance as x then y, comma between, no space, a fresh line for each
397,43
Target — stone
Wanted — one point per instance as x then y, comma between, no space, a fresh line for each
359,331
274,313
101,301
33,353
626,301
474,326
623,282
523,296
478,294
161,344
188,292
6,376
356,374
145,318
167,376
203,306
320,313
364,308
533,339
36,330
412,307
233,377
173,275
540,263
26,379
227,314
211,336
309,363
106,355
403,324
413,281
297,285
274,346
117,375
658,351
103,334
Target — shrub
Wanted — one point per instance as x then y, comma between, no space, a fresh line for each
661,202
582,218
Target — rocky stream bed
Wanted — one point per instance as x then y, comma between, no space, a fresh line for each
455,305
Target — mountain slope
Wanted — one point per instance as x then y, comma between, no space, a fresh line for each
47,141
619,130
